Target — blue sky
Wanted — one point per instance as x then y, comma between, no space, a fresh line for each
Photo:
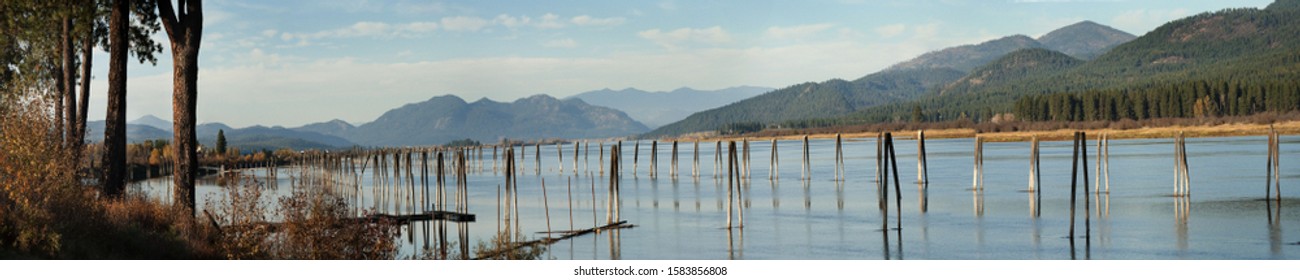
296,62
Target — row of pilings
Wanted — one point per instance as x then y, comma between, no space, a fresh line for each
395,189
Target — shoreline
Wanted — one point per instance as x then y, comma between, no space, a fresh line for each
1290,127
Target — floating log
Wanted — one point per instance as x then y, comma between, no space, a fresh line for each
547,240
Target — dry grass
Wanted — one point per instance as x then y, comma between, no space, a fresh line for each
47,212
315,224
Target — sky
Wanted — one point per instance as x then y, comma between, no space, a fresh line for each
295,62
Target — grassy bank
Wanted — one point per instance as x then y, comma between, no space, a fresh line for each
1024,131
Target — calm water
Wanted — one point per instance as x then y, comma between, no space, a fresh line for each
788,218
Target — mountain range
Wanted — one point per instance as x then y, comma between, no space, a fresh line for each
659,108
1246,49
442,119
254,138
903,82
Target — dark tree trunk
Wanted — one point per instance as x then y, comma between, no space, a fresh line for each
184,29
87,49
68,86
115,119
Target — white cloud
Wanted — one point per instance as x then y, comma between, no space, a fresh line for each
363,29
676,38
891,30
795,32
464,23
1140,21
550,21
270,33
561,43
512,21
668,5
586,20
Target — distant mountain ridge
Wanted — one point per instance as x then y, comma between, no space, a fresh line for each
1084,40
658,108
966,57
442,119
254,138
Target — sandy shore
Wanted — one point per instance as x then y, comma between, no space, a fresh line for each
1231,129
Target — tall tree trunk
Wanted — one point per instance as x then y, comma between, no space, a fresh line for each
115,119
185,30
87,49
69,85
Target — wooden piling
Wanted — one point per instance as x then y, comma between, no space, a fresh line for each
898,194
695,165
839,158
880,177
807,168
1074,176
673,170
636,152
730,185
537,158
922,171
772,168
1087,200
745,160
559,157
1034,180
717,160
654,159
600,158
977,180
